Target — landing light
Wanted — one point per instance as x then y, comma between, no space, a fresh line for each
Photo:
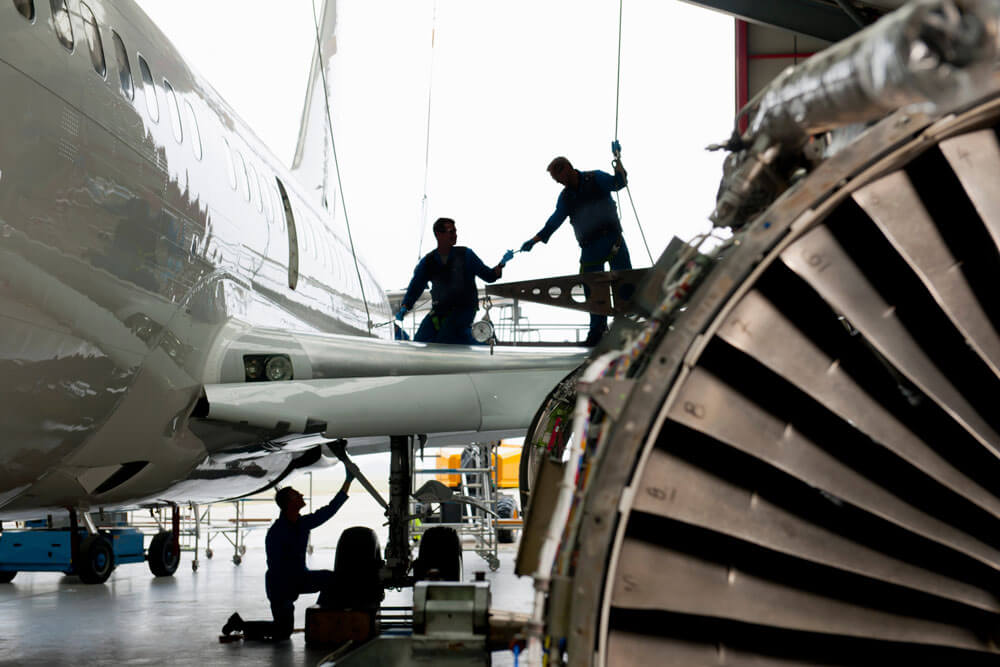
278,368
264,367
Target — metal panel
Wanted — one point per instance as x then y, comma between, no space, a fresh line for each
820,261
895,207
757,328
652,577
673,488
627,648
975,159
708,405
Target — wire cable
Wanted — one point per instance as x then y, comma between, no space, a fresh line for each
618,88
336,163
427,137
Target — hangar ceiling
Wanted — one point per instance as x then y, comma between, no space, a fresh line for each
771,36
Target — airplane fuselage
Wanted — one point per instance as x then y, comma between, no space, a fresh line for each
141,225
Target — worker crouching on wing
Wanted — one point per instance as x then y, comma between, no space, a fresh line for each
586,200
287,575
452,272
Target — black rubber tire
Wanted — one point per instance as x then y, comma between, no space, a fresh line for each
356,567
7,577
441,550
161,556
96,561
505,510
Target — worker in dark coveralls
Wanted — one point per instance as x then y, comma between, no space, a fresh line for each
452,272
586,201
287,575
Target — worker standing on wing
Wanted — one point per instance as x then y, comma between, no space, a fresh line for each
287,575
586,200
451,271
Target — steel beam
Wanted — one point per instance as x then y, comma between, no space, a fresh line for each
805,17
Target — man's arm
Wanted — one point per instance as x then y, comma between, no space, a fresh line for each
556,219
613,183
417,284
324,514
480,269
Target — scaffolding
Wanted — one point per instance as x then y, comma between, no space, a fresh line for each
477,529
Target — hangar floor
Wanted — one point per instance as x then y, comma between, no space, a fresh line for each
137,619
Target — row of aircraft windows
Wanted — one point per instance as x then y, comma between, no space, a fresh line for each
254,186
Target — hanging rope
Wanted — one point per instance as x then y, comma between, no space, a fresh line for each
618,86
336,163
427,140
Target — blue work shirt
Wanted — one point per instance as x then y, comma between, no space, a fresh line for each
453,282
589,207
286,544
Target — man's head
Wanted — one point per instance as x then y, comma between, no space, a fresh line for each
562,172
445,233
289,500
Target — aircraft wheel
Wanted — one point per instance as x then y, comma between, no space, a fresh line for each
441,550
237,559
356,570
161,556
97,560
7,577
505,509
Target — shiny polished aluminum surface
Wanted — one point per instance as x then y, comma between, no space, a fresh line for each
145,244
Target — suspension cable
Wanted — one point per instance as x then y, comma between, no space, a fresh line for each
336,164
618,86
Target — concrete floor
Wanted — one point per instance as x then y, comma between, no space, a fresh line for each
137,619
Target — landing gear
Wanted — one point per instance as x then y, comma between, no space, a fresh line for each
440,551
96,560
161,556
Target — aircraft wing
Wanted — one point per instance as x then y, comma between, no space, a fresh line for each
348,387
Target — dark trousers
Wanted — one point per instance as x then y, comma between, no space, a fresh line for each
593,256
454,326
283,608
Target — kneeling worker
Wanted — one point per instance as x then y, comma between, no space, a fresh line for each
287,575
452,272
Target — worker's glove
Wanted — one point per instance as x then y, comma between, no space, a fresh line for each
507,256
528,245
616,148
401,313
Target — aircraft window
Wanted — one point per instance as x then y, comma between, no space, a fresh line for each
255,184
124,69
94,40
242,173
175,112
62,23
149,90
195,133
25,8
293,241
230,164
